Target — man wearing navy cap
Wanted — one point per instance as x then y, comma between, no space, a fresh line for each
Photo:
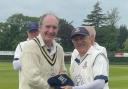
89,68
32,31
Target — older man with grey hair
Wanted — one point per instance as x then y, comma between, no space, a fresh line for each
92,33
42,57
100,65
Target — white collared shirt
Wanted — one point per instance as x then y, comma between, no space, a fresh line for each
100,48
89,67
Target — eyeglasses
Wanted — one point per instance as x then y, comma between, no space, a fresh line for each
51,26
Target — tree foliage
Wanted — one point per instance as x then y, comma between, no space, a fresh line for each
113,17
107,36
126,45
13,31
122,36
96,17
65,29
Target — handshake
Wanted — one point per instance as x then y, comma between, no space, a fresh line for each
60,80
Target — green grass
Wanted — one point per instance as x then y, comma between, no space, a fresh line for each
118,76
8,77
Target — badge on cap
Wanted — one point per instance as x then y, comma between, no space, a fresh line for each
77,30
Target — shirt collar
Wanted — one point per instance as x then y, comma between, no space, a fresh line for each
90,50
41,40
53,48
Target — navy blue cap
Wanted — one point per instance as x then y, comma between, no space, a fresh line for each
60,80
79,31
32,26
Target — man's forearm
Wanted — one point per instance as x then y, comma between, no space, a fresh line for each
96,84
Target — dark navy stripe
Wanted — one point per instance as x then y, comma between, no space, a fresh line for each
16,58
45,54
42,52
97,56
84,58
53,59
102,77
77,60
44,49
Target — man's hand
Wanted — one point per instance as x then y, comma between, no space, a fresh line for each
66,87
60,80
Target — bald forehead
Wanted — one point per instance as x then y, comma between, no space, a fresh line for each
50,19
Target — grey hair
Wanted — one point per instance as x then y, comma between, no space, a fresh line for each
46,14
91,30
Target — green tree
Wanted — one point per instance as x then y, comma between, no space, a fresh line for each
107,36
65,29
96,17
3,30
122,36
113,17
18,26
126,45
14,31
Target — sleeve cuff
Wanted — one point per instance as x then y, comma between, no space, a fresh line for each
102,77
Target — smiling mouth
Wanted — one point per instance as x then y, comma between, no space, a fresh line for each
50,36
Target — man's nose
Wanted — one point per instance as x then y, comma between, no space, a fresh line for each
51,30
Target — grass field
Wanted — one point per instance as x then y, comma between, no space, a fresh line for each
118,76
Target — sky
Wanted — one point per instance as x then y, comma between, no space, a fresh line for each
71,10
